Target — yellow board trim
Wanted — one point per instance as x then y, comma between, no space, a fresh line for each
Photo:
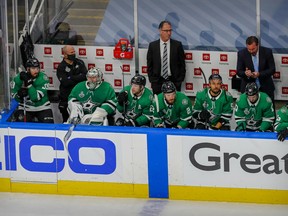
77,188
247,195
103,189
5,184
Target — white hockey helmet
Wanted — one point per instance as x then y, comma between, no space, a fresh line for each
94,72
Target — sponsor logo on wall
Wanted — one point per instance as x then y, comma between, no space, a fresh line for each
189,86
126,68
91,65
232,72
285,90
108,67
82,53
117,83
284,60
223,58
277,76
205,57
215,71
99,52
144,69
41,65
197,72
55,65
48,52
189,56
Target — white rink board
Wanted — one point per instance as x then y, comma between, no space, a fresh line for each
131,158
41,156
182,172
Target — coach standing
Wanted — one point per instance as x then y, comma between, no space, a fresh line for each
256,64
165,60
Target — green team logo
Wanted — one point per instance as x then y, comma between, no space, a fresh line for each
184,102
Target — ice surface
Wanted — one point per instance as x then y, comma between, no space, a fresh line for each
19,204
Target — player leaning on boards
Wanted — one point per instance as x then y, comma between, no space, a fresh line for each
213,106
281,123
29,88
135,103
254,110
92,101
172,109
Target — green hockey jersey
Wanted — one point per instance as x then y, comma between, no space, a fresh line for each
102,96
180,113
255,117
140,109
220,107
37,99
281,122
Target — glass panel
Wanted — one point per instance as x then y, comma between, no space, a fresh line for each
199,24
71,22
274,25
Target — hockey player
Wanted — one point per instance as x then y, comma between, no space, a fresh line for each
135,103
92,101
254,110
172,109
281,124
29,88
213,106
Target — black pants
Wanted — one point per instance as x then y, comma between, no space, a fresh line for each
63,105
44,116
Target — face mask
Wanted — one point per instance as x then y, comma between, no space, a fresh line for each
71,57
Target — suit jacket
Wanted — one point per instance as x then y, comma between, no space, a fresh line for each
177,61
266,69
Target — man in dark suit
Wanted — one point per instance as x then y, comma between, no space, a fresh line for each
256,64
160,68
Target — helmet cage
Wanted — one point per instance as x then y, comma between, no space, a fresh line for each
94,72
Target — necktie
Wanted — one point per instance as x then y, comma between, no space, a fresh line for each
165,62
256,68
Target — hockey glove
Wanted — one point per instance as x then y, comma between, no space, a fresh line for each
160,125
204,115
119,122
26,78
23,92
130,123
282,135
122,98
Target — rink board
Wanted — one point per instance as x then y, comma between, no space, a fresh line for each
144,162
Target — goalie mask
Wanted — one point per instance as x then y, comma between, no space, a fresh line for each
94,78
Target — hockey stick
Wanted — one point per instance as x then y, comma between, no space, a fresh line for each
157,108
156,102
68,135
205,104
24,109
124,105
